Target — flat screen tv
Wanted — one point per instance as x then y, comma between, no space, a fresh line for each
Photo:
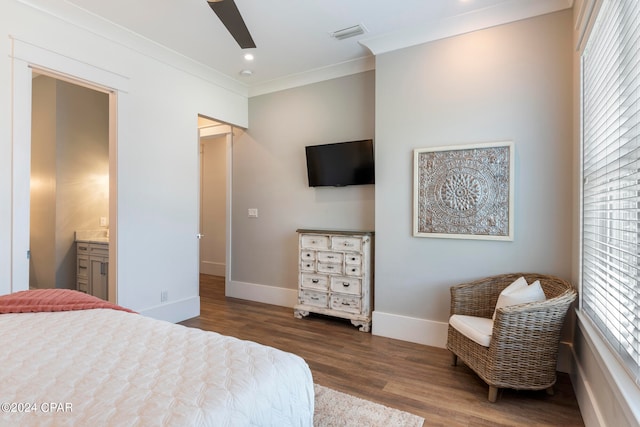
340,164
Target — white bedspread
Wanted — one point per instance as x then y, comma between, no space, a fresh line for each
105,367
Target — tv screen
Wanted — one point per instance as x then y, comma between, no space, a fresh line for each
340,164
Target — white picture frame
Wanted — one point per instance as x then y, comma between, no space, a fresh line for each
464,191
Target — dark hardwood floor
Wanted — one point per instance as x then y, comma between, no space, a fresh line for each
411,377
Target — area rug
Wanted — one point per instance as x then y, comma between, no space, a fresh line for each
334,409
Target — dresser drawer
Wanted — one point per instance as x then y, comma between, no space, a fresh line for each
353,259
314,298
330,257
329,268
346,285
312,241
308,266
315,281
345,243
353,270
308,255
347,303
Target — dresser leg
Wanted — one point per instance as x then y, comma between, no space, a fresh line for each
299,314
364,326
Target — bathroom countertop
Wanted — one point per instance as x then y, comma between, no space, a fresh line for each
92,236
94,240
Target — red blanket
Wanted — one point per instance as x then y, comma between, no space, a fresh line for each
38,300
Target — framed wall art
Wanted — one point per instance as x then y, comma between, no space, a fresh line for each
464,191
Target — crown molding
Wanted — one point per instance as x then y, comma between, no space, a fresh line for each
499,14
347,68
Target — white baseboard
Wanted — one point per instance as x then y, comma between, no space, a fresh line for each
262,293
434,334
410,329
606,392
213,268
174,311
586,398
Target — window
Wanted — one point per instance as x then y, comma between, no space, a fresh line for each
611,178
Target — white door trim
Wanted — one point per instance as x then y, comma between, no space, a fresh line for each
26,58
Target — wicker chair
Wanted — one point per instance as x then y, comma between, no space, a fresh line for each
523,350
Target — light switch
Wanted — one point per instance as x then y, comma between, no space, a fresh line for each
253,213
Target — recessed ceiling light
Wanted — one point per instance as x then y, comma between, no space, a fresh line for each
248,56
246,73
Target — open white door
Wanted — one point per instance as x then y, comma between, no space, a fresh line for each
21,175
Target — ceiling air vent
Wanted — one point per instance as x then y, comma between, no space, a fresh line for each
345,33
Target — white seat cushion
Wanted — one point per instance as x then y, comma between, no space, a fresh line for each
478,329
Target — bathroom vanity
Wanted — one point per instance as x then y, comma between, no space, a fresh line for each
92,269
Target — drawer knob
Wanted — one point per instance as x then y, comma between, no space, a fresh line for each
345,284
315,280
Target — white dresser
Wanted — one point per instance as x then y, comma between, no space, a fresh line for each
335,275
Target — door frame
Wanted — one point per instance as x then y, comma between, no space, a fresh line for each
25,59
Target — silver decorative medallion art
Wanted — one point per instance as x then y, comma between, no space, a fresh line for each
464,192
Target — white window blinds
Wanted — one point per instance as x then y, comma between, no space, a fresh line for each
611,178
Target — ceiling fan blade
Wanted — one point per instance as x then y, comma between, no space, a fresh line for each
230,16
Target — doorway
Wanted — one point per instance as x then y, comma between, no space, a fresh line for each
215,145
69,183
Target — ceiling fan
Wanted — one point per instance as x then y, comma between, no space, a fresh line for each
230,16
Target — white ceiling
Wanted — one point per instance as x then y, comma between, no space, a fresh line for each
293,36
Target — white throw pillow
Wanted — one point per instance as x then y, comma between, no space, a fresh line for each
519,284
521,295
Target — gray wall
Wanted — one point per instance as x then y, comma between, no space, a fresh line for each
269,173
511,82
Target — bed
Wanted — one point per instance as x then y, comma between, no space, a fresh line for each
92,363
